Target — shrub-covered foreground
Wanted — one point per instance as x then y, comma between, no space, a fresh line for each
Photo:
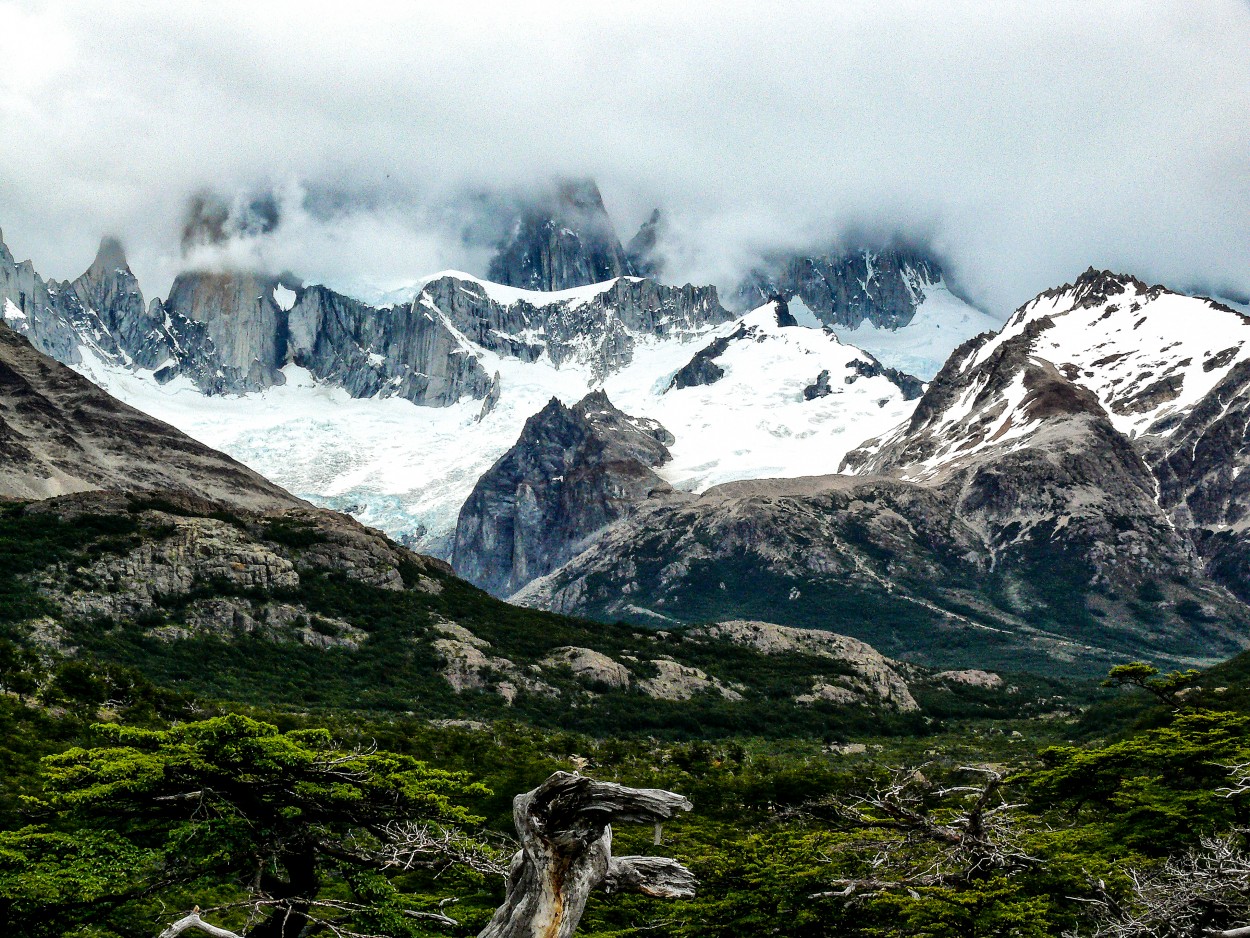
273,825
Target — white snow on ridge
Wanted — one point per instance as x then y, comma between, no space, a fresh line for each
1148,355
942,322
407,469
1145,358
12,314
504,295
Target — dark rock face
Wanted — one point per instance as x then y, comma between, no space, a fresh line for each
702,368
573,471
1203,483
644,261
819,388
911,386
846,289
244,328
60,433
401,351
564,241
601,330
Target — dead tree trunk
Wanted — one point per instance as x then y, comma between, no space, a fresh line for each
566,851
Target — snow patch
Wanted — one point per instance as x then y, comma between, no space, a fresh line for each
284,297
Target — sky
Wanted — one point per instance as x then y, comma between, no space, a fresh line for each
1022,141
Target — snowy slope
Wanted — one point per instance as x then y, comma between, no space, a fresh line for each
1147,355
942,322
408,469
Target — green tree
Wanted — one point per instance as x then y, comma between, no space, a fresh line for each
50,881
1168,689
1156,791
288,818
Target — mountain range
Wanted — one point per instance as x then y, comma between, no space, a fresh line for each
140,546
1064,491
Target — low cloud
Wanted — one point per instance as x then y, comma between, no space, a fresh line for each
1023,141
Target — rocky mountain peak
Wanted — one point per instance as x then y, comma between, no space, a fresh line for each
562,240
850,287
1095,287
573,471
109,289
109,256
641,249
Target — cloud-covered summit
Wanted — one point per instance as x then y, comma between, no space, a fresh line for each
1023,141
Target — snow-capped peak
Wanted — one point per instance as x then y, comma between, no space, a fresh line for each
1149,354
1144,356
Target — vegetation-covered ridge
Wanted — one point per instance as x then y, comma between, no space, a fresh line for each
308,609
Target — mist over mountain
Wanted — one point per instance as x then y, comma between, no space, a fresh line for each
1021,143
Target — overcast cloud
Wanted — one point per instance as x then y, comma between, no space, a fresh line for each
1026,141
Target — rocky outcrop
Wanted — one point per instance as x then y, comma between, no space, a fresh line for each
849,288
675,681
191,552
702,368
911,386
467,665
180,547
818,388
561,240
59,433
590,667
573,471
873,677
971,677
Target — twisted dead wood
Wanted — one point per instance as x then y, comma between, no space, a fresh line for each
566,852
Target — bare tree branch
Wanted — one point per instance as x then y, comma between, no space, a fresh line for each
1196,893
194,921
930,836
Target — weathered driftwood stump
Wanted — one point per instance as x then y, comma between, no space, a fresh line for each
566,852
